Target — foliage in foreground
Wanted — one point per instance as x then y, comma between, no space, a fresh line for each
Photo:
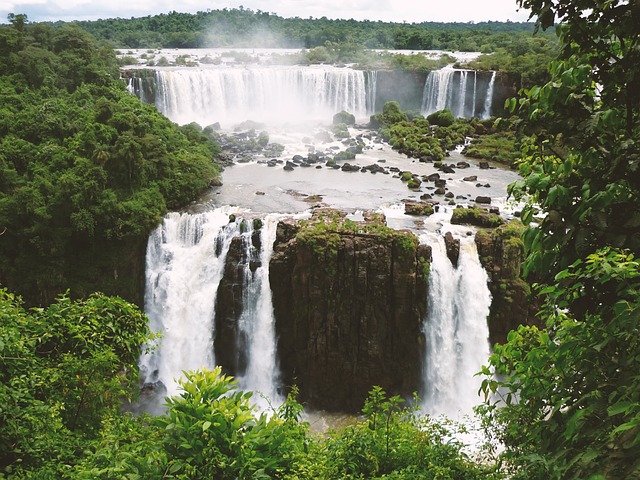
65,371
571,391
212,431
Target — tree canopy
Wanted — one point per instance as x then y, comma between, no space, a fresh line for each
243,27
82,162
571,389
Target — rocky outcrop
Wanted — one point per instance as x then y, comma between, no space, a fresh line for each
480,217
349,299
452,246
242,260
501,253
414,207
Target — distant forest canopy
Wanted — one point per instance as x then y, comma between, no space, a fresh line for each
240,27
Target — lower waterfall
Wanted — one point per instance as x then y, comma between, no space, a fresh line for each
256,321
456,330
185,264
194,261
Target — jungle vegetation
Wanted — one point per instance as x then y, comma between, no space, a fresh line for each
85,167
506,46
243,27
79,158
570,392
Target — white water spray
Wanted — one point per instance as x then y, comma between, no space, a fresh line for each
450,88
489,98
186,258
265,94
185,263
257,322
456,329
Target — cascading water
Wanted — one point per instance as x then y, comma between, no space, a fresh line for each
185,263
489,99
257,323
452,89
438,91
266,94
456,329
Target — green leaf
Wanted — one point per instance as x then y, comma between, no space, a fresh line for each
620,407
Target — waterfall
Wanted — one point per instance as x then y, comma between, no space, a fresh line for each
437,91
475,93
489,98
462,93
372,88
456,329
257,322
185,264
265,94
451,89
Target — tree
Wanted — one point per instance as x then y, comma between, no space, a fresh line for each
570,391
583,161
86,169
62,371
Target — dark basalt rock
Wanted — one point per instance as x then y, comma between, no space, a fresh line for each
347,167
349,307
452,246
501,253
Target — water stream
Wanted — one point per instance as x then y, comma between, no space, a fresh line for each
456,331
186,254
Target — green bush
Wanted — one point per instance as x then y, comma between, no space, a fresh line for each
442,118
344,117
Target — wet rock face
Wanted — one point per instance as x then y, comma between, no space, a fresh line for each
349,300
501,253
453,248
230,344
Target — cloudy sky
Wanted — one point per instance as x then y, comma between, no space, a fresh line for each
386,10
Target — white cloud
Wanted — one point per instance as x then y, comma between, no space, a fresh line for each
386,10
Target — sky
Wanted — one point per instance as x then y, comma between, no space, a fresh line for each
409,11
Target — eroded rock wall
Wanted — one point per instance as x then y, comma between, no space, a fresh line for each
501,253
349,302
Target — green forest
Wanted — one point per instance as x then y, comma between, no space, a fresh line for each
87,170
240,27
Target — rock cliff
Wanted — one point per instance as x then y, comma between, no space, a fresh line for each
501,253
349,300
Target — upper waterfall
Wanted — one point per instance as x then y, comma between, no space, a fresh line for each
274,94
465,92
